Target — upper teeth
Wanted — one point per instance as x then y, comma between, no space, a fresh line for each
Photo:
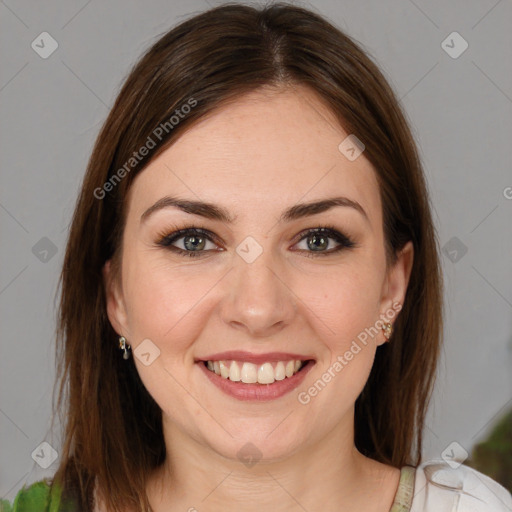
250,373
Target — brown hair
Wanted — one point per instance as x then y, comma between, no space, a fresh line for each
113,429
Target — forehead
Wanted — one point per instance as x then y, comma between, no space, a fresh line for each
265,151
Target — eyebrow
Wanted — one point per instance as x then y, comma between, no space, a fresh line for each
215,212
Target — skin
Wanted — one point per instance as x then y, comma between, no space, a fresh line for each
257,157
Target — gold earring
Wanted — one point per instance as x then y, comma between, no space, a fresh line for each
388,330
124,346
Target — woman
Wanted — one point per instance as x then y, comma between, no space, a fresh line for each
251,305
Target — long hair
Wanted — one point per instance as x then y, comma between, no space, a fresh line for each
112,426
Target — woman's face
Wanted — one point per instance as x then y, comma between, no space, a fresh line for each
258,283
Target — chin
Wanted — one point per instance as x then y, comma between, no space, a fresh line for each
258,445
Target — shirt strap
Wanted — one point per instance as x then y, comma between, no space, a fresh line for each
405,492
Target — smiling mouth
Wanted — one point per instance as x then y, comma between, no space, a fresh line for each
250,373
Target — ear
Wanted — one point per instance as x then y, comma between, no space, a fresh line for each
395,286
116,309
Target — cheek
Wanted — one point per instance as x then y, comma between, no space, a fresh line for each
349,348
163,303
168,307
345,300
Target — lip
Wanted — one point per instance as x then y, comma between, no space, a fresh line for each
240,355
257,392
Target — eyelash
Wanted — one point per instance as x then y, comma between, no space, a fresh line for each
166,239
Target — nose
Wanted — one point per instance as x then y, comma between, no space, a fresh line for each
260,301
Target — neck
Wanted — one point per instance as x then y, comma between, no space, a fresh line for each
328,475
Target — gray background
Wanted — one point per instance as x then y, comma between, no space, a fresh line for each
460,111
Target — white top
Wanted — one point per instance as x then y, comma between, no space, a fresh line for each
439,487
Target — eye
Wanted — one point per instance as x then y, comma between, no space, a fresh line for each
317,239
193,241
